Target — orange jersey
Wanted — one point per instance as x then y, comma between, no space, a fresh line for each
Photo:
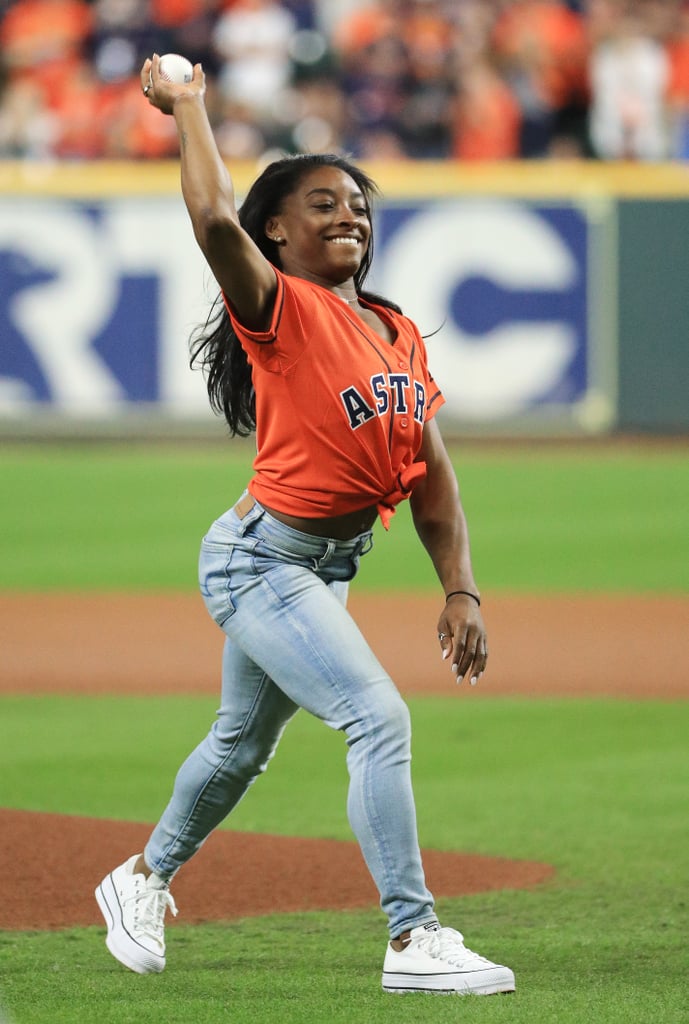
339,411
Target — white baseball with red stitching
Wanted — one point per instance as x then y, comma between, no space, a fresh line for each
175,68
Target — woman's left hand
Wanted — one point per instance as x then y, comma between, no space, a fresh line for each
462,637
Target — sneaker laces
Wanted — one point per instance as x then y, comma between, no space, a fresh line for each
447,944
149,911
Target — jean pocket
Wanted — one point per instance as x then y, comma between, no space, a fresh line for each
214,580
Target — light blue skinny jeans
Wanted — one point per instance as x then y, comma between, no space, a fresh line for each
279,595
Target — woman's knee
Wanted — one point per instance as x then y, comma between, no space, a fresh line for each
243,754
385,722
400,723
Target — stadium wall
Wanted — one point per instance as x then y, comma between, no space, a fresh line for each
553,295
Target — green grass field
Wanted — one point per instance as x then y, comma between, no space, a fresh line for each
599,789
99,517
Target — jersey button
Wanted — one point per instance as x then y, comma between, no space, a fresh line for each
404,422
402,366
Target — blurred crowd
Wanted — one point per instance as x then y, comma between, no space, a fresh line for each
402,79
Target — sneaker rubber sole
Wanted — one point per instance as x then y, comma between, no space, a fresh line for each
496,981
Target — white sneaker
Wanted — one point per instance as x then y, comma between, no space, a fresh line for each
436,960
134,908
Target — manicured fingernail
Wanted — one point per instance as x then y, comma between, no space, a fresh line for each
473,680
446,654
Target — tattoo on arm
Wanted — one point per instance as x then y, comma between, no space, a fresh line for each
183,140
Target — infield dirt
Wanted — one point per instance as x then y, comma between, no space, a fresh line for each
592,645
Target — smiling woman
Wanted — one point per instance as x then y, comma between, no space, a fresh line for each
335,382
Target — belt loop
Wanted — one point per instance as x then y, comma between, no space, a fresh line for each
327,554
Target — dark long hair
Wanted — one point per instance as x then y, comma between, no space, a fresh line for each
215,347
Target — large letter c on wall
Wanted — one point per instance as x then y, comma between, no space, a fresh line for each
516,359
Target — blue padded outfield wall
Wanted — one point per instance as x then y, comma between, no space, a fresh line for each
554,299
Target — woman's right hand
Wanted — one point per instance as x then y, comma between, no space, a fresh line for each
161,93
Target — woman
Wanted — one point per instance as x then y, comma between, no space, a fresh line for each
336,384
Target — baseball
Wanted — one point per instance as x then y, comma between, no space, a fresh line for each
175,68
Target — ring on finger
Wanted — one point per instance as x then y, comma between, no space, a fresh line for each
442,636
147,89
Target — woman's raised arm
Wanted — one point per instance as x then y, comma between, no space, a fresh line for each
246,277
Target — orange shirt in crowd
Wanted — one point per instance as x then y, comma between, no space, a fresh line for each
133,127
363,28
678,54
45,37
169,13
488,121
550,42
78,112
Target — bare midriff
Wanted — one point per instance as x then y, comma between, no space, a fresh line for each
343,527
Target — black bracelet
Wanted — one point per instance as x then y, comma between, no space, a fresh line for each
467,593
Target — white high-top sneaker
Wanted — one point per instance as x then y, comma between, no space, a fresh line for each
435,959
134,910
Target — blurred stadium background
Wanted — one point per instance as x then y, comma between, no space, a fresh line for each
535,213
